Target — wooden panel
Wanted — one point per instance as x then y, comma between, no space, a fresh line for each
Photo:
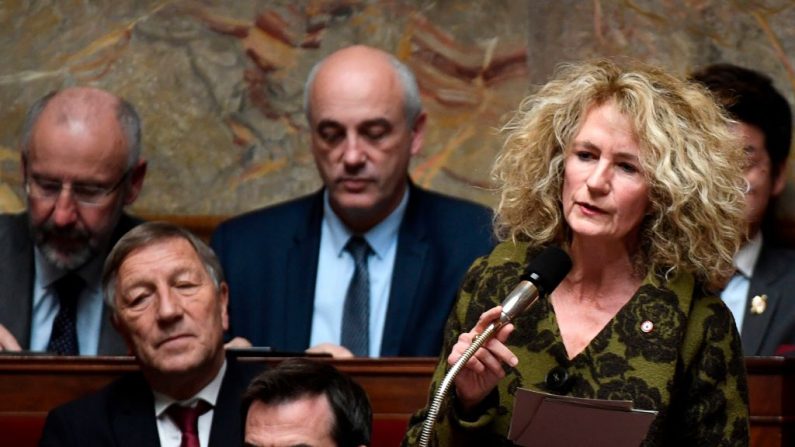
397,387
771,383
36,384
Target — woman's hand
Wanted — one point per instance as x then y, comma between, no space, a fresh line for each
484,370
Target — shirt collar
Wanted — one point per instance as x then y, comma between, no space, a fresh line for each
379,237
746,257
208,394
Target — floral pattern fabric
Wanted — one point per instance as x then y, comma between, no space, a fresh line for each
672,348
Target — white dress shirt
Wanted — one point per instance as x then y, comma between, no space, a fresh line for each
335,269
169,432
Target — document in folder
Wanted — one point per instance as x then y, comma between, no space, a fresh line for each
551,420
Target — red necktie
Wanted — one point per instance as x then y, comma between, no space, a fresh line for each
187,419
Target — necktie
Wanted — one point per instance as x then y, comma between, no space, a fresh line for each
63,338
187,419
356,313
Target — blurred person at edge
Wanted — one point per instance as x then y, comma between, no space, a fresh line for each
302,402
759,294
637,175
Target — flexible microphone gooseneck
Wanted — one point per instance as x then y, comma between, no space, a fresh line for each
542,275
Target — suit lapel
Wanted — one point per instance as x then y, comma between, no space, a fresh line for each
132,410
301,278
132,415
409,265
227,426
17,280
756,326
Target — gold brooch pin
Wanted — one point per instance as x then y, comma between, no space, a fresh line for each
758,304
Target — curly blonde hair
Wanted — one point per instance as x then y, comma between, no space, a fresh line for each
691,159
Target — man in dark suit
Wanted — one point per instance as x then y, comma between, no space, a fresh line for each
80,159
761,294
168,297
369,265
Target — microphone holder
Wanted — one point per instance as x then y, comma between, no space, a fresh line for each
519,300
524,295
441,392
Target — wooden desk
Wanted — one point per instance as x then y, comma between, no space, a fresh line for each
771,384
30,386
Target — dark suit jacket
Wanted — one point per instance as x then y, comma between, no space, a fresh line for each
123,414
270,258
17,276
774,276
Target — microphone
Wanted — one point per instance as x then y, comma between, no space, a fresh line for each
542,275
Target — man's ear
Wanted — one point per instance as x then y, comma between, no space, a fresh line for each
418,133
136,182
223,297
779,180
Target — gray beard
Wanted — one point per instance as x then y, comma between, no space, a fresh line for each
65,261
70,262
89,246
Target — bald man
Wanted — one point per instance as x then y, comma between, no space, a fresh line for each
80,159
370,264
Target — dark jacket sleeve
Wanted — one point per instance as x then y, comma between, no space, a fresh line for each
58,431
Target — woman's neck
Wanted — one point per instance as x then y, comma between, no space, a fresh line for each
600,270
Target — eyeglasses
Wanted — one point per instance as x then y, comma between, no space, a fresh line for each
84,193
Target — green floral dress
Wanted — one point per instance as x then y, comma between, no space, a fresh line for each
686,362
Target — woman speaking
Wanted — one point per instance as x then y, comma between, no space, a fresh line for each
636,174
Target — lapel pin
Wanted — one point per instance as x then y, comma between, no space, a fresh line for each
758,304
647,326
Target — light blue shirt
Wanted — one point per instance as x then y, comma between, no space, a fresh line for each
735,295
335,269
46,305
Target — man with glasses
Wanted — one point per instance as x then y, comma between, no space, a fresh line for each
81,165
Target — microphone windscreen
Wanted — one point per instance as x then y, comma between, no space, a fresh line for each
549,267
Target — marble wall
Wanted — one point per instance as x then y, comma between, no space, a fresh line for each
219,84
